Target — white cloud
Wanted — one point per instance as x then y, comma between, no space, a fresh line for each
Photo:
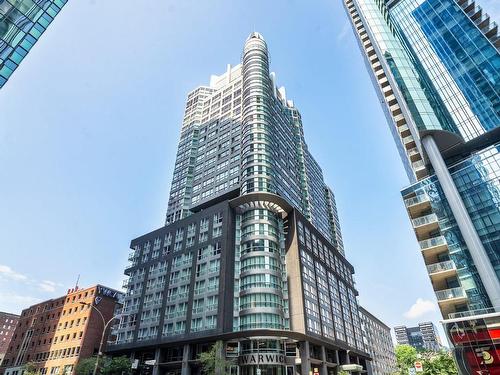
48,286
420,308
8,273
16,302
343,32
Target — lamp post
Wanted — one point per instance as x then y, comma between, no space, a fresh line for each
105,324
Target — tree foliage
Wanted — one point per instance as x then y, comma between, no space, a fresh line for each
213,361
107,366
30,368
406,356
433,363
439,364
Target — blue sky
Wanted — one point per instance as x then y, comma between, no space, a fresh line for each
90,121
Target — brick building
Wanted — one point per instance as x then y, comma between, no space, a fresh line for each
56,333
8,323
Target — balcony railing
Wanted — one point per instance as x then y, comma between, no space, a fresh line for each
447,294
408,139
424,220
441,266
131,308
432,242
419,164
421,198
463,314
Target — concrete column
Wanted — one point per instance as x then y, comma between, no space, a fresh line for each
221,354
464,222
305,363
186,370
156,367
324,369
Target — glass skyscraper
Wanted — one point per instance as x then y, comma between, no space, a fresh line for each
251,253
436,67
22,22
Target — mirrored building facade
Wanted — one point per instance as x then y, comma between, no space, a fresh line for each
436,67
22,23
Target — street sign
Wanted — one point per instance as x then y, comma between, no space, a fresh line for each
150,362
412,371
418,367
135,364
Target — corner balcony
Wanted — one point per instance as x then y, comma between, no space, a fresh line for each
442,270
433,246
414,154
133,255
451,296
417,204
404,130
425,224
409,142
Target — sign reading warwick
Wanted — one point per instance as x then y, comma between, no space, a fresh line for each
261,359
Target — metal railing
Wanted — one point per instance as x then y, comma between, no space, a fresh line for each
441,266
464,314
421,198
423,220
446,294
432,242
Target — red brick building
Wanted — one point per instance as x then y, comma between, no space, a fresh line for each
8,323
55,334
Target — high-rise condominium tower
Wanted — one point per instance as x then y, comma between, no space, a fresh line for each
251,254
422,337
22,22
436,67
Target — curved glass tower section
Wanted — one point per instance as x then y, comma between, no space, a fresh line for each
256,166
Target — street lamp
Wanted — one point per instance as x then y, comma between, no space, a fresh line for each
105,324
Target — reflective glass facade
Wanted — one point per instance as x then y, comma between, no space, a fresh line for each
463,65
478,181
22,22
444,53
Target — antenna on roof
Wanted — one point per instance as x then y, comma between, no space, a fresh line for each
77,280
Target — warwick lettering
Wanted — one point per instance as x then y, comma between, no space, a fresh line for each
262,359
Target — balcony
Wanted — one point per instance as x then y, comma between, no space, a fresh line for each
425,224
155,286
409,142
131,308
433,246
417,204
451,296
404,131
414,154
442,270
150,320
133,255
153,303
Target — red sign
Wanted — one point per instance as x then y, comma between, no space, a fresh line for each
418,367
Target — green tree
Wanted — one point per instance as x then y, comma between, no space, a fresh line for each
118,366
30,368
405,358
107,366
213,361
440,363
